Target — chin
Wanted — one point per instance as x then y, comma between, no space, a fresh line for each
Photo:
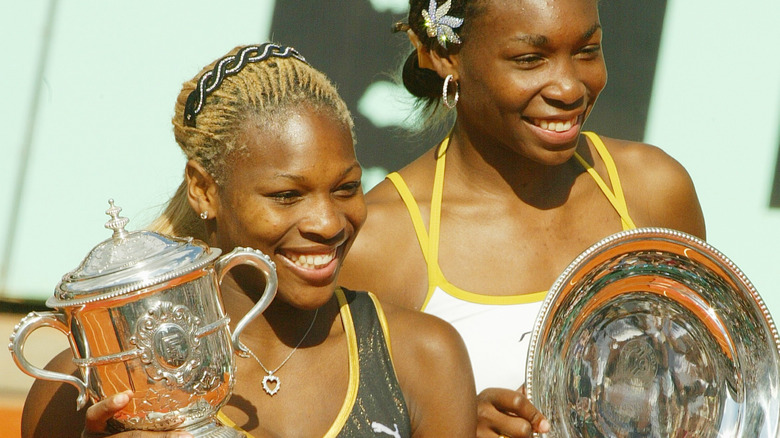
559,157
545,155
310,296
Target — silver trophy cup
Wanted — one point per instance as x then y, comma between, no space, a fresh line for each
143,311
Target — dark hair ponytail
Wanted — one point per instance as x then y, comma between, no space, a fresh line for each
421,82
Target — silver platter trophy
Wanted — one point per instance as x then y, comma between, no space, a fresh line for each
654,333
143,311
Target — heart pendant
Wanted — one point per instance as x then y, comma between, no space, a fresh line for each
273,380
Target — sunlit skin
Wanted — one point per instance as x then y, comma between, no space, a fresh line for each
516,208
535,66
296,192
293,192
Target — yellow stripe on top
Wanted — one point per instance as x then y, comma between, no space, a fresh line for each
430,247
229,423
414,211
380,313
354,374
435,275
429,244
354,366
615,196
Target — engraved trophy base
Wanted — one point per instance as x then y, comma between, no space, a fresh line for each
213,429
208,428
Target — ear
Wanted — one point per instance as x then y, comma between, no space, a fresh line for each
201,189
433,60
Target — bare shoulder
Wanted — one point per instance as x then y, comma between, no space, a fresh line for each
386,211
633,154
429,354
422,333
50,408
659,191
386,257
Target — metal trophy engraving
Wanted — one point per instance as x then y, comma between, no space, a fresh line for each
143,311
654,333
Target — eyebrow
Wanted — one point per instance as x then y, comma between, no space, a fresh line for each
299,178
541,40
589,33
534,40
296,178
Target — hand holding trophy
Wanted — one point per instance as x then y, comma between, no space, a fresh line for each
143,312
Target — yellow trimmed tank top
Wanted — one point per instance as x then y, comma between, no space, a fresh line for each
494,328
374,405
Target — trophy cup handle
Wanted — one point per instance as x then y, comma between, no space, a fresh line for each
262,262
27,325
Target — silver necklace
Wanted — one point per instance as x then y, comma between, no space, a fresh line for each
271,383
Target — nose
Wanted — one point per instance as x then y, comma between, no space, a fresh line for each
565,89
324,221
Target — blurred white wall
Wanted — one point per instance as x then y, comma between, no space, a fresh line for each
102,124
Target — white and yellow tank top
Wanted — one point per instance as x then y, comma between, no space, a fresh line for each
496,329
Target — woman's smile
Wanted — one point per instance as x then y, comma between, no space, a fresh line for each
314,265
555,131
296,195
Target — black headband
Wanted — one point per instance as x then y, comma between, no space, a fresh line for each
230,65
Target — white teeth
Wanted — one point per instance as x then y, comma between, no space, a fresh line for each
312,261
556,126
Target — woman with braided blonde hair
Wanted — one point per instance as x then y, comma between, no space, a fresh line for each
524,191
271,165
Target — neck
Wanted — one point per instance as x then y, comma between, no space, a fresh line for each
491,170
281,323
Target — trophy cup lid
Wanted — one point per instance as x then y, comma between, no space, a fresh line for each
128,262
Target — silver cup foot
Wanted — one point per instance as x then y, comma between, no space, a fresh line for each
213,429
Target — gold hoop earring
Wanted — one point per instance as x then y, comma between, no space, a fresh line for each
445,99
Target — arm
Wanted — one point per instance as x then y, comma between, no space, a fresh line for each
435,374
50,409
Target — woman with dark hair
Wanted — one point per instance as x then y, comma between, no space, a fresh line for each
271,165
478,241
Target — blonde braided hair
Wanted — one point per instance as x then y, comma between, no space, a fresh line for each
265,90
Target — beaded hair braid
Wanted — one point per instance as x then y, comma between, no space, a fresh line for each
230,65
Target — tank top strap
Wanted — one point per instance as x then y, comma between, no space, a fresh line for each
351,334
414,211
435,275
429,241
436,198
380,400
614,195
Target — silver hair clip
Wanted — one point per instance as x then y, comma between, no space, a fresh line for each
439,25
